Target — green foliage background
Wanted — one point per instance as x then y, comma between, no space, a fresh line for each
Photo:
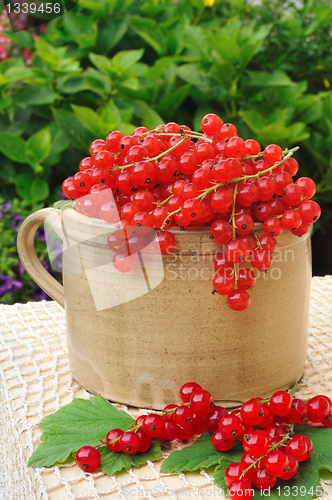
118,64
115,64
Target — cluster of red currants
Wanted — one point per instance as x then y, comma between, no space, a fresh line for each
172,176
265,428
271,448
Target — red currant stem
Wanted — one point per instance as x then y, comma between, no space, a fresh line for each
256,235
162,227
267,170
133,428
162,202
294,389
154,157
235,276
233,212
283,442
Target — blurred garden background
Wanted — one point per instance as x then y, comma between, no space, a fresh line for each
265,66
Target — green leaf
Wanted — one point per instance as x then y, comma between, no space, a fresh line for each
35,96
149,117
18,73
275,79
58,144
38,146
13,147
23,38
149,31
199,455
81,423
219,475
92,416
111,34
77,135
30,188
170,104
90,120
110,113
115,462
197,74
101,62
63,203
126,58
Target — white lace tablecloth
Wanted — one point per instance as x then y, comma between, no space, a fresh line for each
35,381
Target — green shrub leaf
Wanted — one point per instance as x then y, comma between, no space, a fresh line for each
13,147
81,423
111,462
30,188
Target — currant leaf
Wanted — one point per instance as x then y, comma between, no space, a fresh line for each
112,462
64,203
199,455
81,423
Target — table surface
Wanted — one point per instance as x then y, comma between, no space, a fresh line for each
35,381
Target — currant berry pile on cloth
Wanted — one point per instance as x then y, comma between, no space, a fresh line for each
36,381
171,177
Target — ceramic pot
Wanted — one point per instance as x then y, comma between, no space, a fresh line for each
135,338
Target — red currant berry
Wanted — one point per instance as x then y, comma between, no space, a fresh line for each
212,419
129,442
276,463
238,300
317,409
291,166
253,147
187,390
272,154
281,403
263,481
113,441
145,441
221,442
240,489
154,425
309,211
227,131
298,448
308,187
235,470
88,459
170,432
230,426
237,251
235,147
272,226
252,412
211,124
164,242
183,416
201,402
293,466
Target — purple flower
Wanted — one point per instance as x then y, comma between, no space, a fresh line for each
45,265
21,268
9,284
41,234
39,294
6,206
1,214
16,221
62,195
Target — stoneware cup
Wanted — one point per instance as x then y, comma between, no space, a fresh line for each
135,338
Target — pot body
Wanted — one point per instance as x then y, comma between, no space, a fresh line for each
135,338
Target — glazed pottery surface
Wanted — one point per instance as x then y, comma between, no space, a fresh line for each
135,338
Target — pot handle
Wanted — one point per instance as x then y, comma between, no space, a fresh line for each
27,253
